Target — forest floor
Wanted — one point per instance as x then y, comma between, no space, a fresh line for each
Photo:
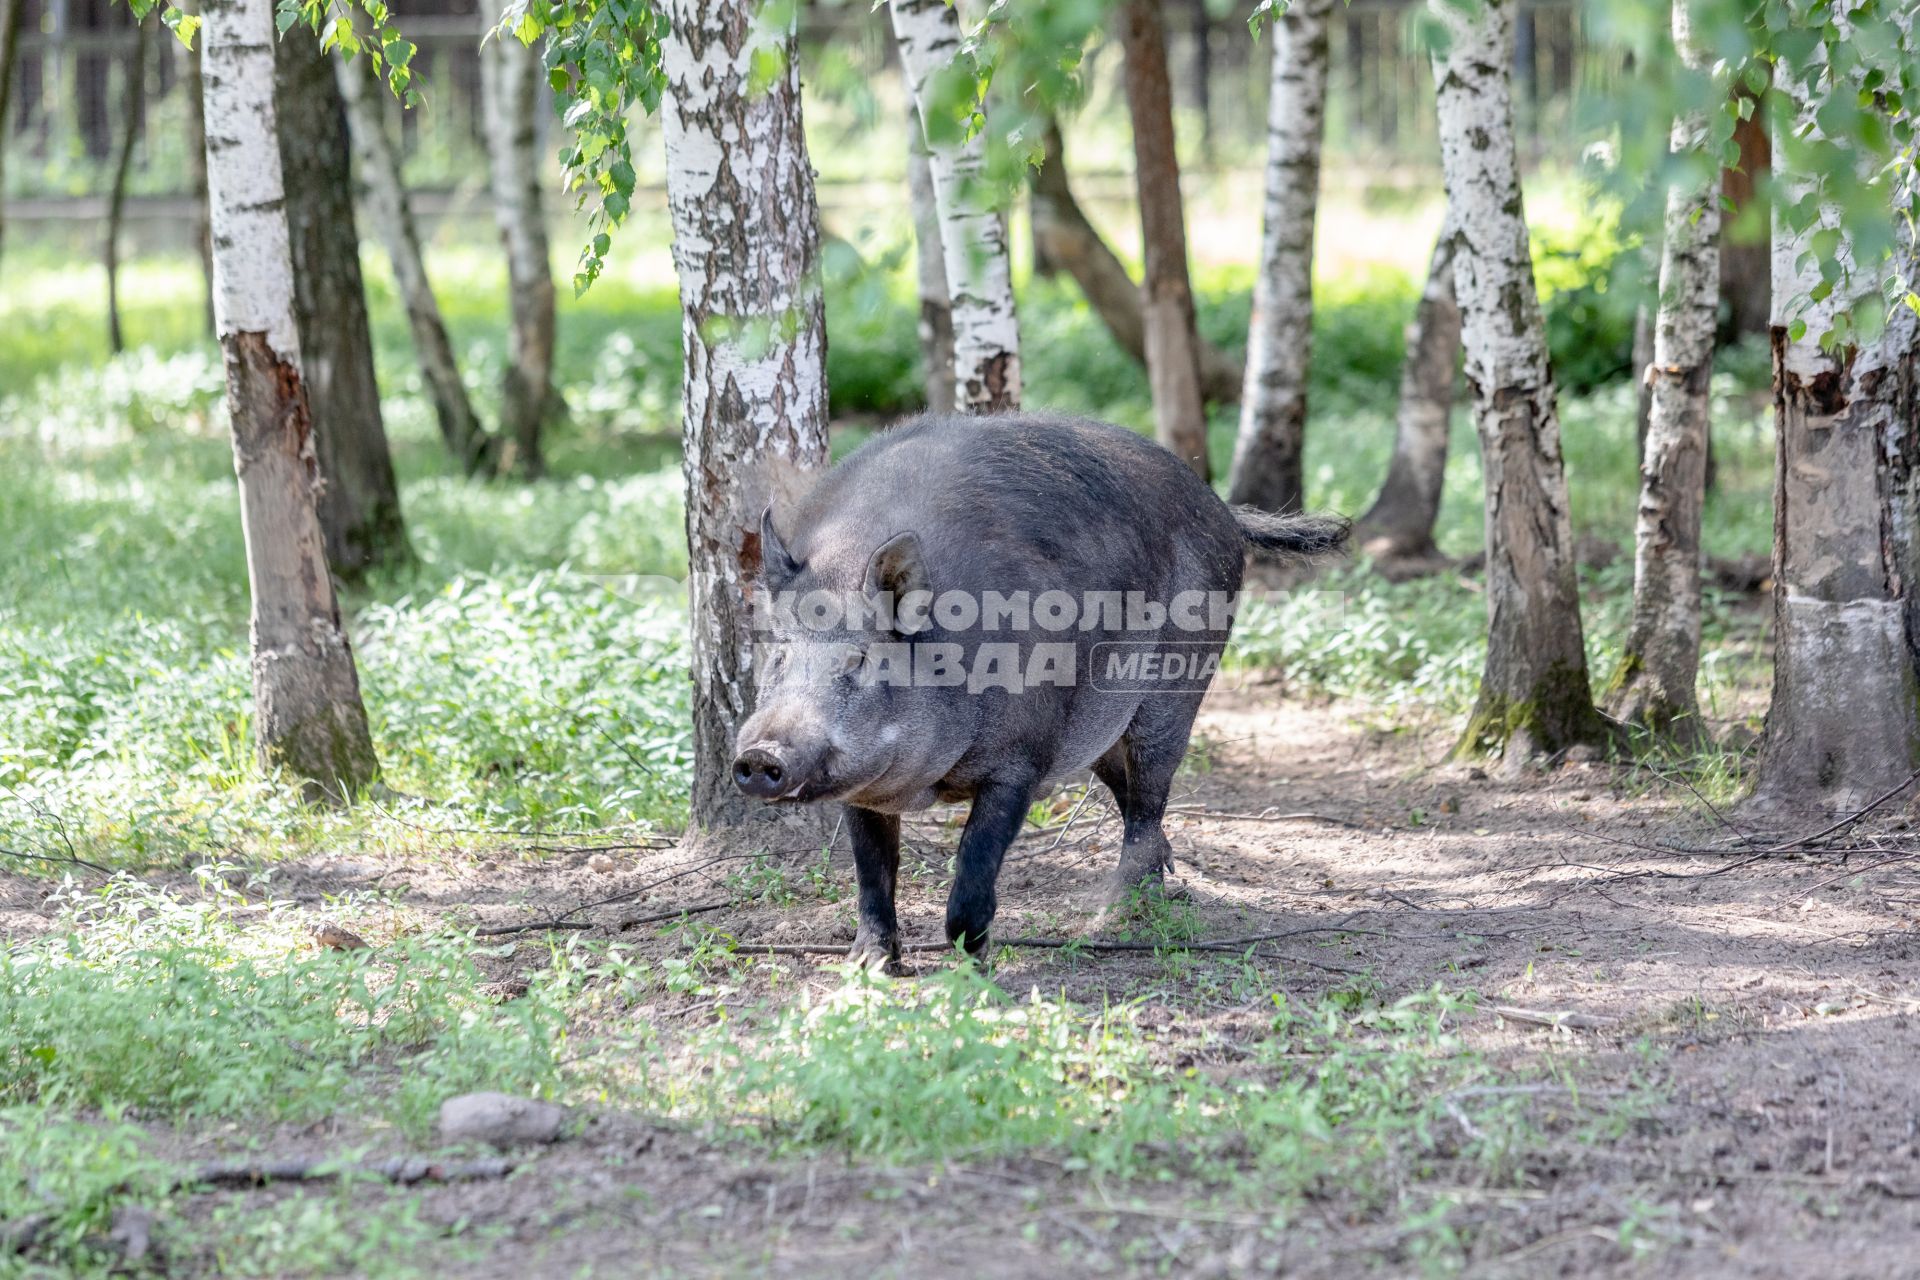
1708,1069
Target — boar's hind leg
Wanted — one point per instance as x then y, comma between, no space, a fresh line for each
1111,769
876,864
999,807
1153,745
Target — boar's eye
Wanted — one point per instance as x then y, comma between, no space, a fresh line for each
850,659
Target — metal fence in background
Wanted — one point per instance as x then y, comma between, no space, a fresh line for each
75,92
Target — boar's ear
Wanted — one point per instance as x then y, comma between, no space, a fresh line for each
898,569
777,565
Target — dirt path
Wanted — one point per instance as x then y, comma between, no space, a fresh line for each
1767,1007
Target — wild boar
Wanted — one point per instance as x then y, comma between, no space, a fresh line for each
976,608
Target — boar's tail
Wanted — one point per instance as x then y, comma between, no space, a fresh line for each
1291,537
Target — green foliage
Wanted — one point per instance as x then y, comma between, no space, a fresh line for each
1836,79
525,671
1591,282
71,1174
163,1003
603,59
954,1068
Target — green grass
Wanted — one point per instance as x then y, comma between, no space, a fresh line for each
215,1006
196,1008
507,674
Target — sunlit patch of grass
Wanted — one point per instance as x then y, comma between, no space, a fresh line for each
217,1007
1355,1095
506,672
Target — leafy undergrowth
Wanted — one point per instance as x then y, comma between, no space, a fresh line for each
526,668
207,1011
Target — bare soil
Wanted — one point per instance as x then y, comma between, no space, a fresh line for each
1768,1004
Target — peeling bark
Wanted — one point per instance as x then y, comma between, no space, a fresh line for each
308,716
1534,691
1844,723
936,307
132,107
1269,453
746,248
1398,527
973,235
460,428
1063,232
359,506
1655,684
511,81
1166,292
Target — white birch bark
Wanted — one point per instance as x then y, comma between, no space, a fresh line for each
1267,456
746,246
460,427
1655,684
936,306
1534,692
359,507
307,711
1844,723
511,83
973,235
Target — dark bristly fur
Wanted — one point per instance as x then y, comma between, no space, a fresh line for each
1038,506
1291,537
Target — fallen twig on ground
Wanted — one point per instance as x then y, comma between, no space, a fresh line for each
1851,872
1849,819
1196,812
67,859
404,1170
1249,944
1556,1019
634,922
537,926
531,926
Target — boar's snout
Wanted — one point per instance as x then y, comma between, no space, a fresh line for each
762,774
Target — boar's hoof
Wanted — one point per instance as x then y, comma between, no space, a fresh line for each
877,957
1143,866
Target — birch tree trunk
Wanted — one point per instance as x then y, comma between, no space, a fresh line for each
359,505
746,246
1166,293
936,306
466,439
196,143
1267,457
11,12
973,235
1534,692
1063,232
1655,684
308,717
1844,723
1641,360
1398,527
510,82
131,108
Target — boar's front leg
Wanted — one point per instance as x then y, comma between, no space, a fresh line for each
876,865
999,807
